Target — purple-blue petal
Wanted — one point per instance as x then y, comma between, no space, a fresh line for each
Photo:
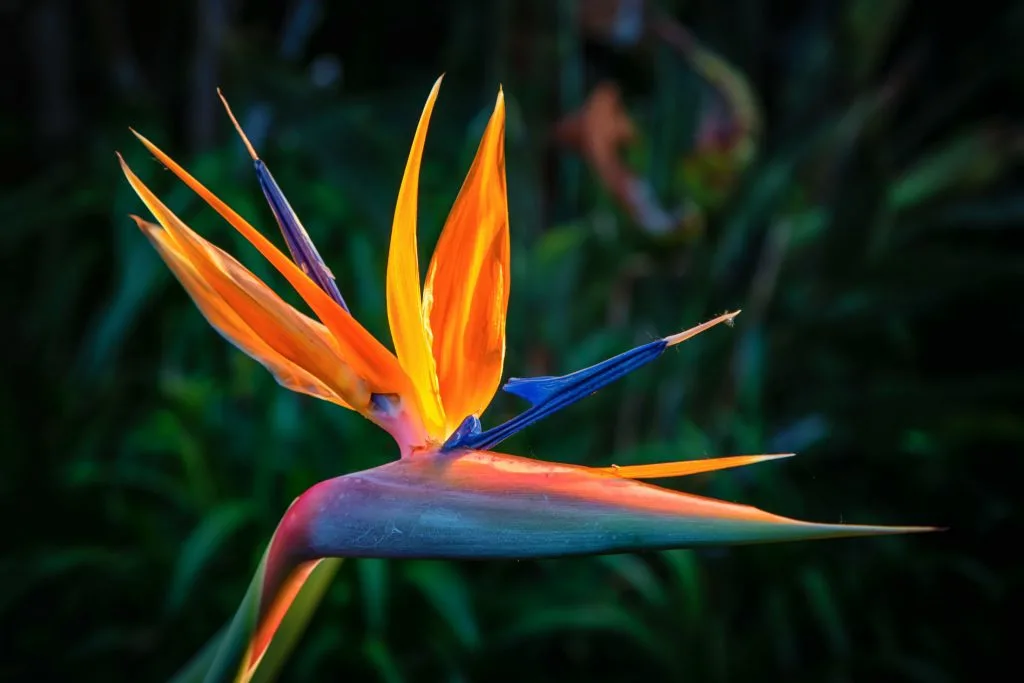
303,251
550,394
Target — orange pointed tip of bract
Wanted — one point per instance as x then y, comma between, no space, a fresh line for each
238,126
683,468
726,318
142,223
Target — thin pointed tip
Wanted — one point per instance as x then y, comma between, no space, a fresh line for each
777,456
238,126
143,225
849,530
125,168
683,468
727,318
892,530
144,140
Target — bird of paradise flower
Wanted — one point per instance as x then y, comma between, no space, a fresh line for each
449,495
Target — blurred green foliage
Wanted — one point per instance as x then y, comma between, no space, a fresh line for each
874,245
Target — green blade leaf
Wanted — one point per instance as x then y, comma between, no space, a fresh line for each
209,535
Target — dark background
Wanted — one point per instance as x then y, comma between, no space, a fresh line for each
874,243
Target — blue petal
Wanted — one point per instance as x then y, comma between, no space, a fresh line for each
299,244
469,428
550,394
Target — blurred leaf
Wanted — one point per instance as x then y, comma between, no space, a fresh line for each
377,652
373,576
872,25
140,273
544,622
970,159
822,602
684,568
637,574
441,585
194,671
206,540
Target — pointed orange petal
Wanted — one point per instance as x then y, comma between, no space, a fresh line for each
467,287
283,329
366,356
409,326
226,320
683,468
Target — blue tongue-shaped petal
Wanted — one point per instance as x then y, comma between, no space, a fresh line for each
535,389
550,394
302,249
543,390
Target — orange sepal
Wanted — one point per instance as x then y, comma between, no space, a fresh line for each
298,377
286,331
371,361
